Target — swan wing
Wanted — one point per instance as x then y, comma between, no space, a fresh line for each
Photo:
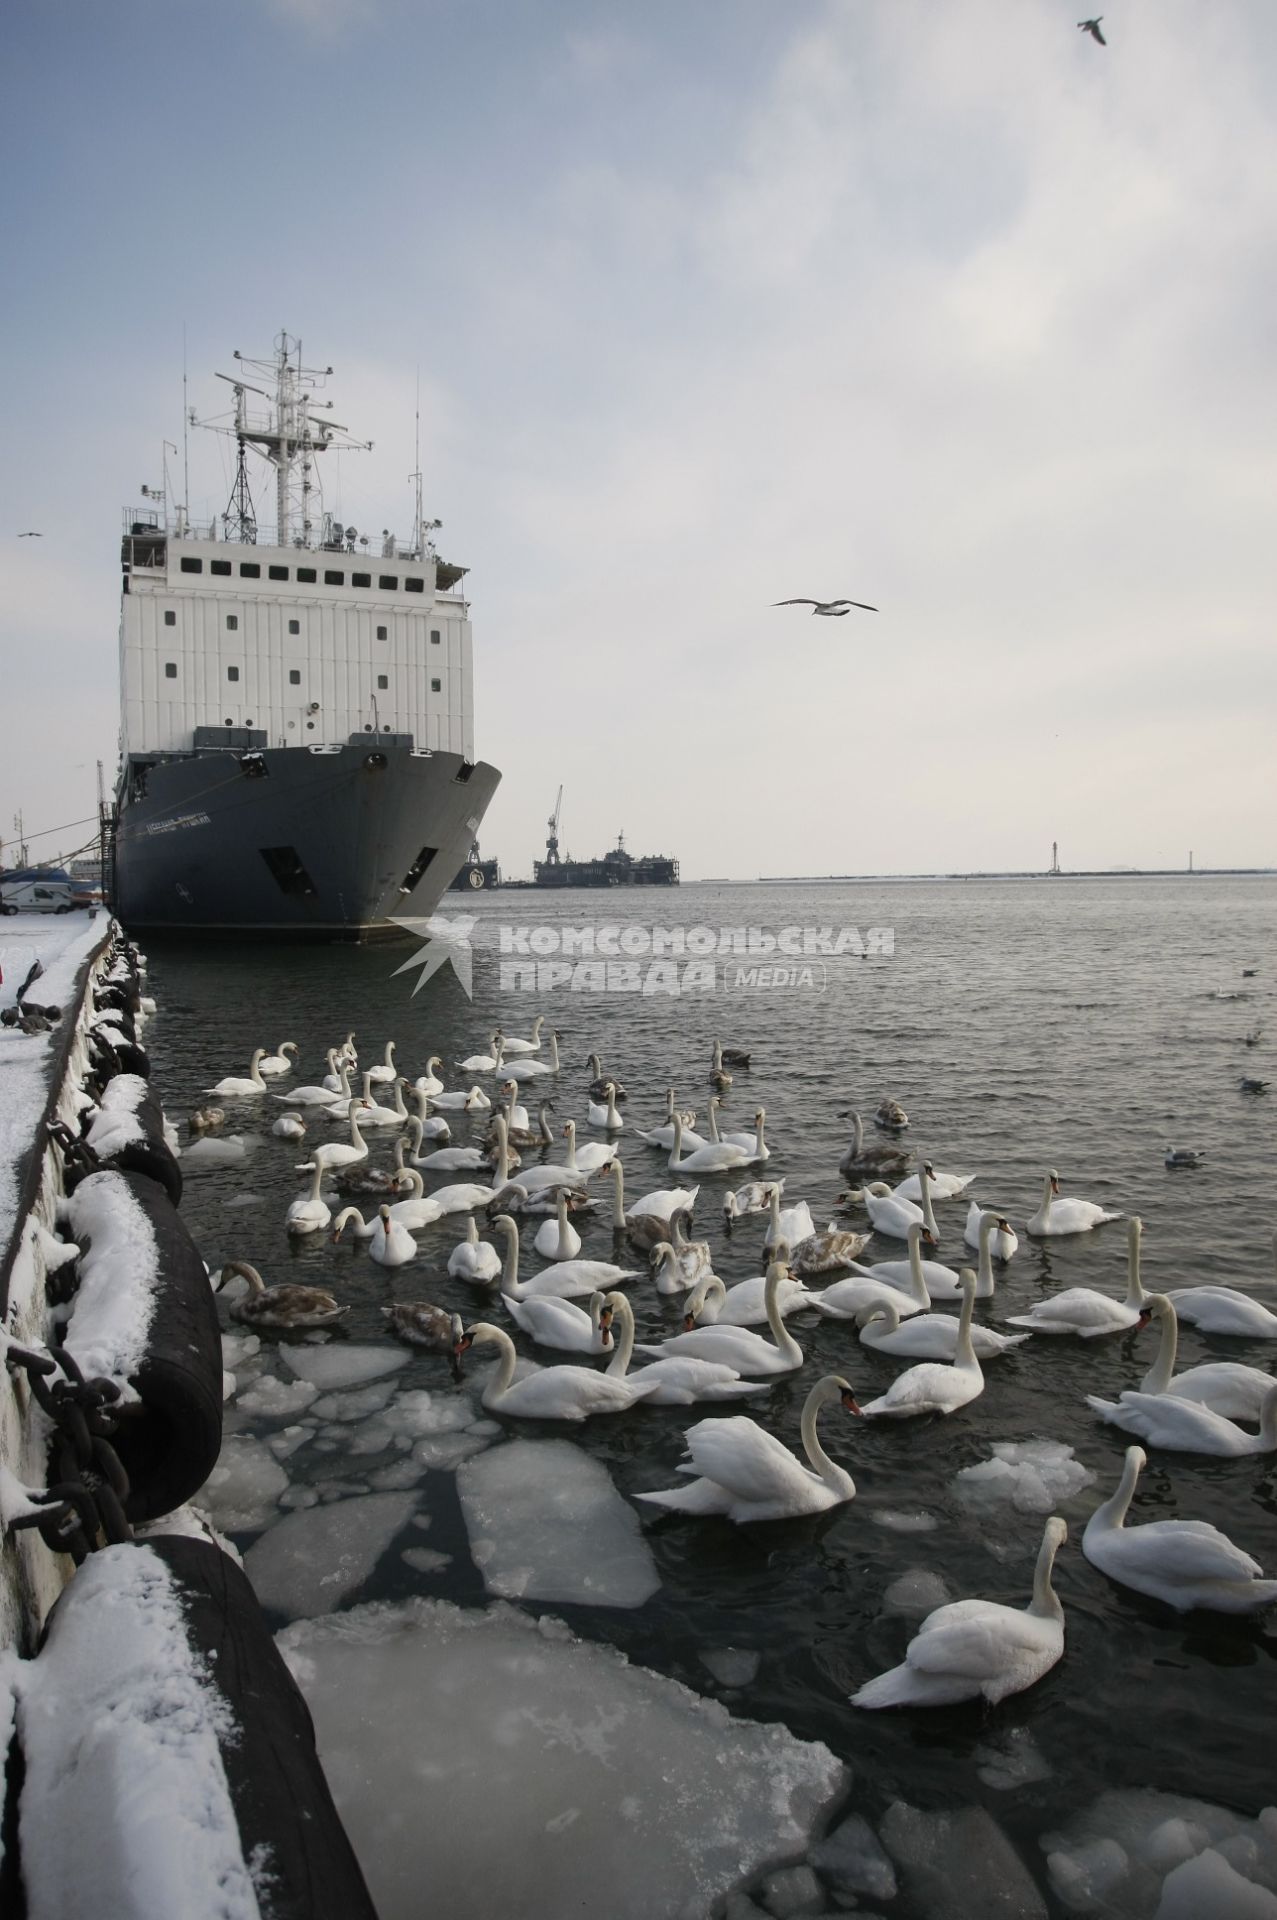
1178,1550
979,1639
743,1457
1165,1421
701,1496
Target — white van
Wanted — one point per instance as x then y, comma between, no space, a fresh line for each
36,896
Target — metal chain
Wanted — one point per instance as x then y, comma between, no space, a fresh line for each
84,1507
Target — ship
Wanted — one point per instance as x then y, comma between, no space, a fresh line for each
617,868
297,704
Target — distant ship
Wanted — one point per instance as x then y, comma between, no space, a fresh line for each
297,714
618,868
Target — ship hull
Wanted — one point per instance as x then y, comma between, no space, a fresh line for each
292,842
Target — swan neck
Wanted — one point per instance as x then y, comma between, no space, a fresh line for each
775,1319
927,1213
1046,1601
620,1360
1162,1372
965,1355
917,1284
499,1338
510,1268
984,1274
1109,1517
1268,1422
618,1196
1135,1294
859,1145
833,1476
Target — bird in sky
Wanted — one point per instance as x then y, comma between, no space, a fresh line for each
30,536
833,609
1093,28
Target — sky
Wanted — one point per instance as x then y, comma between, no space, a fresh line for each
712,303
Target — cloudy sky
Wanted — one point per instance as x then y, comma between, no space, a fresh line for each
714,302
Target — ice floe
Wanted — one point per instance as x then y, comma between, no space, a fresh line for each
1013,1760
897,1521
1129,1854
341,1364
270,1398
1027,1476
958,1864
242,1492
731,1666
317,1559
546,1523
611,1788
914,1592
853,1862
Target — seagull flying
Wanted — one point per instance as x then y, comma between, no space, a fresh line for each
1093,28
30,536
834,609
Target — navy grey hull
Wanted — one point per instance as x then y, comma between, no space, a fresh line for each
290,841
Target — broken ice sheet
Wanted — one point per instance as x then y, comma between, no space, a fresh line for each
592,1762
1119,1855
318,1558
1012,1760
731,1666
240,1494
341,1364
546,1523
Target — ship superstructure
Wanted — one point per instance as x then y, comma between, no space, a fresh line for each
297,708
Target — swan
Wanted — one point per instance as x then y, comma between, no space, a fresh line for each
462,1197
604,1114
662,1204
1186,1563
308,1213
1056,1216
1183,1426
558,1239
592,1156
552,1322
279,1062
833,1251
974,1649
754,1197
737,1346
1225,1310
516,1046
938,1282
206,1120
347,1050
555,1393
691,1258
284,1306
474,1259
519,1128
420,1209
526,1068
667,1269
485,1062
424,1127
289,1126
340,1153
663,1135
679,1383
390,1243
424,1325
386,1071
233,1088
372,1114
748,1475
861,1162
891,1116
599,1085
335,1076
337,1096
932,1386
790,1227
893,1216
931,1336
754,1144
562,1281
429,1082
1005,1240
941,1186
1082,1310
1225,1386
226,1152
452,1160
471,1100
745,1304
991,1225
713,1157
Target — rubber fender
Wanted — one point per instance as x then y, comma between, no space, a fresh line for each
151,1155
169,1447
290,1835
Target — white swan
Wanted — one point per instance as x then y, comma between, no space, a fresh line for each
1225,1310
516,1046
372,1114
468,1100
485,1062
913,1278
552,1322
336,1096
1225,1386
474,1259
680,1383
429,1081
1057,1216
991,1226
558,1239
745,1304
564,1280
663,1135
1084,1311
555,1393
592,1156
1186,1563
289,1126
389,1241
753,1144
1182,1426
424,1127
598,1086
241,1088
1005,1240
737,1346
451,1160
228,1151
979,1648
526,1068
894,1216
340,1153
308,1213
285,1306
932,1386
605,1114
336,1076
279,1062
941,1186
713,1157
387,1070
788,1227
929,1336
420,1209
748,1475
662,1204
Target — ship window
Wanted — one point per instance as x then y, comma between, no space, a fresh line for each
294,677
412,585
361,579
170,618
232,673
306,576
434,636
381,633
219,566
289,873
382,682
232,623
191,566
463,773
294,626
436,686
417,868
276,573
334,578
388,582
250,569
170,669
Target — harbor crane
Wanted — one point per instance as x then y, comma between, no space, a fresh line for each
552,840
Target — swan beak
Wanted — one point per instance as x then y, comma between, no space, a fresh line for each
1143,1321
929,1238
1055,1185
689,1322
850,1402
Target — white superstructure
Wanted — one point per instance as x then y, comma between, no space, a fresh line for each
305,641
